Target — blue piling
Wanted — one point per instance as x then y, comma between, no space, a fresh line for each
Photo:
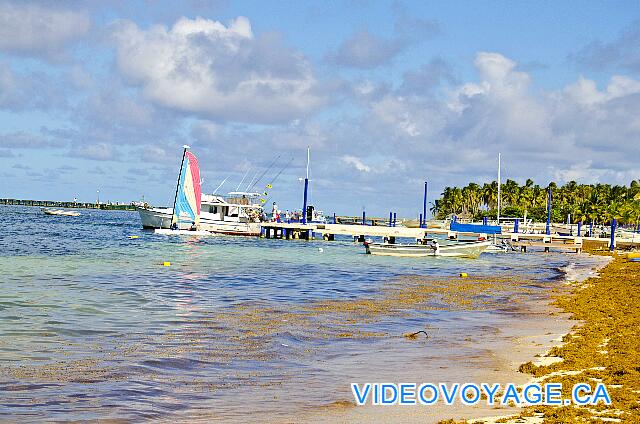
548,232
591,229
304,203
334,218
390,219
485,220
423,224
421,221
395,220
579,228
515,225
612,244
364,218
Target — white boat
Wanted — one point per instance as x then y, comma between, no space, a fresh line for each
238,214
463,249
235,214
60,212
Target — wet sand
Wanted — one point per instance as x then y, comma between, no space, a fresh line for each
535,329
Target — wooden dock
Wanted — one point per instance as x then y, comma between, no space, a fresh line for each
69,205
359,233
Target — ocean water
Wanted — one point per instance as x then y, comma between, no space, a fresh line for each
93,326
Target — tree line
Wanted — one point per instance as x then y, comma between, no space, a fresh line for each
597,203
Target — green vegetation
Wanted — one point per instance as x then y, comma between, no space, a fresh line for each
598,203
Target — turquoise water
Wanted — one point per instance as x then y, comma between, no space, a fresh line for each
92,326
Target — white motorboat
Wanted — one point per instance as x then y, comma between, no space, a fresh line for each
235,214
463,249
193,211
60,212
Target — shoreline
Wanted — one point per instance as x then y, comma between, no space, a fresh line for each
602,347
538,327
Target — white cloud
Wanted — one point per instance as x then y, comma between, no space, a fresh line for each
542,134
356,163
222,72
27,28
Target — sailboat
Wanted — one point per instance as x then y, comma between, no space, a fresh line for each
185,219
235,214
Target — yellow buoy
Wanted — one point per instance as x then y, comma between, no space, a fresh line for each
166,264
134,237
464,274
633,255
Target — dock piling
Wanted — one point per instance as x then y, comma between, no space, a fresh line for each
612,243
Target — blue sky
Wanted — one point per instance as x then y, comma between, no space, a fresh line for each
388,94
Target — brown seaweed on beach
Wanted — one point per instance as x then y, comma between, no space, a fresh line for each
604,347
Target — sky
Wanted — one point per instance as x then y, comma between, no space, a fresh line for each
97,98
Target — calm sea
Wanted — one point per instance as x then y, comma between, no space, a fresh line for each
92,326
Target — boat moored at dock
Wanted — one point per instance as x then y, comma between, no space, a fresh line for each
235,214
462,249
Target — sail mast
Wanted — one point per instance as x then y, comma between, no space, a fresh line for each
174,218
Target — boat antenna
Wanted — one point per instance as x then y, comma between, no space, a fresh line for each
175,198
242,180
217,188
265,171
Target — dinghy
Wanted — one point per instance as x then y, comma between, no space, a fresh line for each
60,212
461,249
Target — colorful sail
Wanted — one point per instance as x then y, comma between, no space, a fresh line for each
187,205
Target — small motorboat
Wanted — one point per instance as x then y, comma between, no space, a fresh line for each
461,249
501,247
60,212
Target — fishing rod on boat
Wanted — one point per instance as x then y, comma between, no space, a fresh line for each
252,180
270,185
218,188
242,180
265,171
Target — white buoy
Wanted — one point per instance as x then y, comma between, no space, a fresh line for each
320,249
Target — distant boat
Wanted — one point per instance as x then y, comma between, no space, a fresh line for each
462,249
60,212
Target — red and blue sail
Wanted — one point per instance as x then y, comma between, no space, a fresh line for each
187,205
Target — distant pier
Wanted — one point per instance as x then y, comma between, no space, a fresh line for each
70,205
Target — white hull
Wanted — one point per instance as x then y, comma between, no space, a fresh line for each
458,249
167,232
161,218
